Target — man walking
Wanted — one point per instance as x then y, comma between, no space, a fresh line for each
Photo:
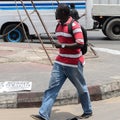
68,64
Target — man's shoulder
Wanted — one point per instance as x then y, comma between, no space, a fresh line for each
75,23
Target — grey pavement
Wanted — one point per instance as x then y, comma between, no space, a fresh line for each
108,109
28,62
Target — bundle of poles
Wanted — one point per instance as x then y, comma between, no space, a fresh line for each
40,18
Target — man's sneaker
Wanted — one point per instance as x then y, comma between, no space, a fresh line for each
84,115
75,118
37,117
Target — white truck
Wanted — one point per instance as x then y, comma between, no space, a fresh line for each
106,13
99,14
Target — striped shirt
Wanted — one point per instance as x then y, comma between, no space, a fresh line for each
67,56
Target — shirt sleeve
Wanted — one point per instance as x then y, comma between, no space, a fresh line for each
77,32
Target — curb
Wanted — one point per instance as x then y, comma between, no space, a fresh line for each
33,99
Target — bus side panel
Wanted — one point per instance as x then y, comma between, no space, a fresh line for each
13,12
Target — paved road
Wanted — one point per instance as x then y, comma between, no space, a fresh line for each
28,62
108,109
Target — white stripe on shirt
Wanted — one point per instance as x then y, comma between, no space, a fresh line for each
63,34
64,64
71,55
77,30
80,40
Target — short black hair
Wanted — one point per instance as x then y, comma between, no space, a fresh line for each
62,11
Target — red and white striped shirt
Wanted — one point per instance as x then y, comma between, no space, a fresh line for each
67,56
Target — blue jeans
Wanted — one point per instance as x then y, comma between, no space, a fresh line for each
58,76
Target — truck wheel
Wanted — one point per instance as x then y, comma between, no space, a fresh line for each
113,29
103,30
16,35
104,27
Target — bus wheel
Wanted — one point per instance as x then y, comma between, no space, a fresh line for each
113,29
12,34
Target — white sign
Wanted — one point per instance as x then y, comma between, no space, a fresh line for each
9,86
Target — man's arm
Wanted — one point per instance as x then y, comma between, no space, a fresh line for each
70,46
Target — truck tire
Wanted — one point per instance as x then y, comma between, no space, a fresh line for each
17,35
113,29
104,27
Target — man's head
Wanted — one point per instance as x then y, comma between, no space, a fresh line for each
62,12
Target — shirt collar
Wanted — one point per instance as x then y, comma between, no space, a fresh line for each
68,21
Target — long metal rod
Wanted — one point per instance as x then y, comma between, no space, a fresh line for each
40,18
36,32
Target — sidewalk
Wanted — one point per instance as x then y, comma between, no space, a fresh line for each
108,109
28,62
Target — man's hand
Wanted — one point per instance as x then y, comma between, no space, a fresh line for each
57,44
